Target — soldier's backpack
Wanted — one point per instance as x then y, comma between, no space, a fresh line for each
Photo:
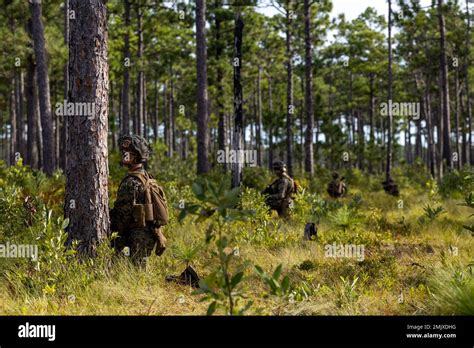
154,198
337,188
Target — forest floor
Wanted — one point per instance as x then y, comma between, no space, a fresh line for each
416,259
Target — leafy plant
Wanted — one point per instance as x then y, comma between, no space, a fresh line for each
220,206
433,212
221,287
277,287
344,218
347,293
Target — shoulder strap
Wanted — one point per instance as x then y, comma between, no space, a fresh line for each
145,181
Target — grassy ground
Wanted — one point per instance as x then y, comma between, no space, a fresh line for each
415,261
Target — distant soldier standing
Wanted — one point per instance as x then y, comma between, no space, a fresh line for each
137,216
337,187
279,192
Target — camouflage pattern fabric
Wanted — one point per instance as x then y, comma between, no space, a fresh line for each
140,240
336,188
279,194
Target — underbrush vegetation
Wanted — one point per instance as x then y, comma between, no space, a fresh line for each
418,249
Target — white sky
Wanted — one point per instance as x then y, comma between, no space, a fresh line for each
353,8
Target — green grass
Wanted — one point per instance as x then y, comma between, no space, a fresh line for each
412,265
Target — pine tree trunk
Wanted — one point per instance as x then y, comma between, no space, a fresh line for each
126,73
19,92
202,101
469,157
86,198
141,79
48,160
309,156
270,130
388,167
237,139
31,116
221,127
155,113
456,121
64,121
13,128
371,121
259,120
289,91
444,86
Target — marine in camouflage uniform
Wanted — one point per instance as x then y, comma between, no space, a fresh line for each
390,187
337,187
279,192
141,240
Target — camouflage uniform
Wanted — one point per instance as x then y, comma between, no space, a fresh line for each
391,187
280,191
140,240
336,188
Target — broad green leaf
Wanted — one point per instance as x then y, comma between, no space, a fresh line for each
236,279
277,273
285,284
212,308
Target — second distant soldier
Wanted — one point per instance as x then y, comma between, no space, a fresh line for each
279,192
337,187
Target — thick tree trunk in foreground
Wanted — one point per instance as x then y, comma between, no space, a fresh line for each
202,115
86,199
43,87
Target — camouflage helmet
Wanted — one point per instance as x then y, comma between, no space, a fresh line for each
279,165
136,144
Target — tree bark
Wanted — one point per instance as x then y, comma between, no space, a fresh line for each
289,90
31,116
64,121
259,120
202,101
13,128
309,156
139,126
444,86
48,160
221,127
86,198
388,167
469,157
270,128
237,139
126,73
